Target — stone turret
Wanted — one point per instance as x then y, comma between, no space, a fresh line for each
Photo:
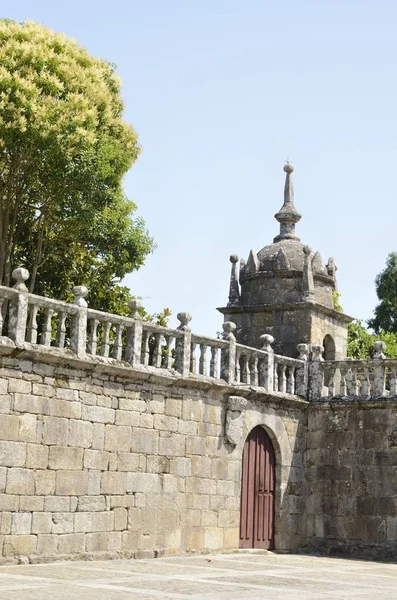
286,291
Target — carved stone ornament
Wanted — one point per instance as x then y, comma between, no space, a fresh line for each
234,419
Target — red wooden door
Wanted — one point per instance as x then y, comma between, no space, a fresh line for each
257,491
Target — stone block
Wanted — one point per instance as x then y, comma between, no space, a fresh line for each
231,538
91,504
3,386
187,427
9,502
9,427
134,405
19,386
31,404
113,482
57,504
3,474
127,461
209,518
27,431
98,414
41,389
96,459
5,404
98,436
173,445
144,441
55,431
71,543
196,485
20,481
213,538
94,482
36,456
64,408
62,522
71,483
127,417
193,538
181,466
120,519
47,545
170,484
94,521
192,409
5,523
67,394
220,468
156,405
146,420
103,542
45,482
226,488
144,482
195,445
21,523
19,545
80,433
118,438
201,466
42,522
165,423
31,503
66,458
173,407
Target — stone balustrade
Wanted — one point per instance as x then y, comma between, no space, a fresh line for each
30,319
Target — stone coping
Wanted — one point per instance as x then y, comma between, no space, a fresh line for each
319,308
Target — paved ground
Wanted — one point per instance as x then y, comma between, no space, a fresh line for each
221,577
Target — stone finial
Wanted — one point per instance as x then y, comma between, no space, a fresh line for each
252,265
20,275
281,262
267,341
378,349
307,276
303,350
184,318
287,216
331,270
228,330
234,292
80,292
134,305
317,351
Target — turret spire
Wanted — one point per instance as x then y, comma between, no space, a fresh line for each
287,216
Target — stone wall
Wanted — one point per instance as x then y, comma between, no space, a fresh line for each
97,459
352,477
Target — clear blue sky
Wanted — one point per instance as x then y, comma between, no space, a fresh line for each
221,92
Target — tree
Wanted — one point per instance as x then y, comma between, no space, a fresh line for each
360,341
386,289
64,149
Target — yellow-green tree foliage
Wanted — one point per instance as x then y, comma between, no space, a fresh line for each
64,148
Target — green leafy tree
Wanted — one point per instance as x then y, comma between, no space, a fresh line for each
360,341
385,313
64,149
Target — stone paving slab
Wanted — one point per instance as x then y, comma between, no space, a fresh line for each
219,577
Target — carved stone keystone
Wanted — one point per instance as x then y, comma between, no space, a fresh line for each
234,419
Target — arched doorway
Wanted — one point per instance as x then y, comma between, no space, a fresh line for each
257,491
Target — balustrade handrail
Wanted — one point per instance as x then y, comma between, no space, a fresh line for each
57,305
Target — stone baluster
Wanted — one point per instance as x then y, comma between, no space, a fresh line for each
18,308
343,382
203,359
331,383
302,373
183,345
193,365
78,328
61,330
316,372
354,386
366,386
168,351
93,338
2,305
31,333
105,342
275,378
133,346
117,350
380,369
230,369
245,375
238,370
145,354
214,362
266,375
393,381
46,334
254,370
157,354
291,380
283,378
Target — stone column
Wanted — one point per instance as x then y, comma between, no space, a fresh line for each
302,374
266,371
183,345
78,328
316,372
18,308
228,355
134,334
